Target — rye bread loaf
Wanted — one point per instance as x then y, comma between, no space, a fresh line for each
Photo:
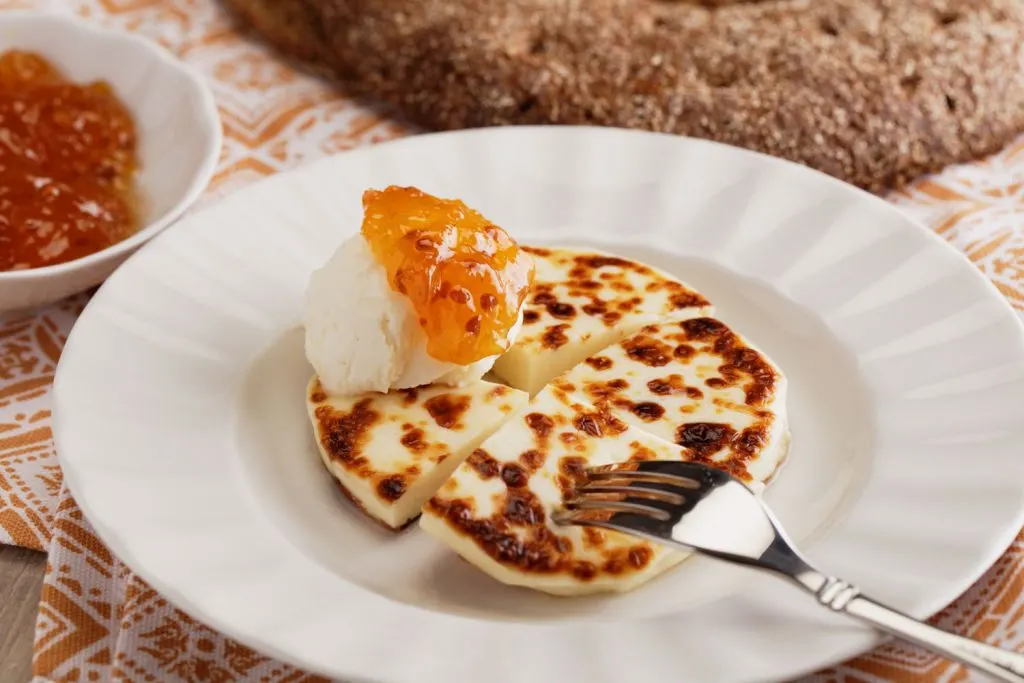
875,92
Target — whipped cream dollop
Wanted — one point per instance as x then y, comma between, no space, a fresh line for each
361,335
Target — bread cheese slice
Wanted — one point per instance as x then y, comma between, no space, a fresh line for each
582,301
390,452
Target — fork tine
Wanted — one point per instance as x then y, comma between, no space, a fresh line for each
654,494
685,468
583,504
610,473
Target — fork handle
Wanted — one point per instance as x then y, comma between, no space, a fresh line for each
1003,665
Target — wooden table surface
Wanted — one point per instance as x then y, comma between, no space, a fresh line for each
21,578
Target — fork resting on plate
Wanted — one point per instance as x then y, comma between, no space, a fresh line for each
698,507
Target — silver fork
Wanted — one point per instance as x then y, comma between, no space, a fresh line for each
698,507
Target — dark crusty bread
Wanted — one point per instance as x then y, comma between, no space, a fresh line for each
875,92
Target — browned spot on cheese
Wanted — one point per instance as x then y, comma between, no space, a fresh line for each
343,435
751,440
592,538
572,472
391,487
611,318
540,423
561,310
598,423
530,317
483,463
514,475
409,396
758,413
537,251
601,261
573,466
633,558
647,350
555,337
588,424
602,391
543,298
317,394
762,375
532,459
660,386
673,384
716,383
641,452
523,508
704,438
599,362
703,329
639,556
584,571
413,439
684,352
687,299
647,411
448,409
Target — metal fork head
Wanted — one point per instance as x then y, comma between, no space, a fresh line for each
680,503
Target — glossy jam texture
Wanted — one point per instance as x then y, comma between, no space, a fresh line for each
465,277
67,161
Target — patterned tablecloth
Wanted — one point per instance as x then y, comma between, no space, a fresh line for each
99,622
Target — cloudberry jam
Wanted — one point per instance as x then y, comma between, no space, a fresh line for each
465,277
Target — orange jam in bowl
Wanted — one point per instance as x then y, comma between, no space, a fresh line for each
67,164
464,276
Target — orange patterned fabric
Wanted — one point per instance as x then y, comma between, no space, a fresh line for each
99,622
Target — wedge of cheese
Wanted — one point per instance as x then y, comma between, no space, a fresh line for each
496,509
390,452
698,384
582,301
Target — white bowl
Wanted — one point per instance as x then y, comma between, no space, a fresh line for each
178,129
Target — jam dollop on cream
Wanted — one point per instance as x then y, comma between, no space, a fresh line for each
464,276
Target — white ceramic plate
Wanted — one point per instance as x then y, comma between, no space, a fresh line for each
175,117
182,431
